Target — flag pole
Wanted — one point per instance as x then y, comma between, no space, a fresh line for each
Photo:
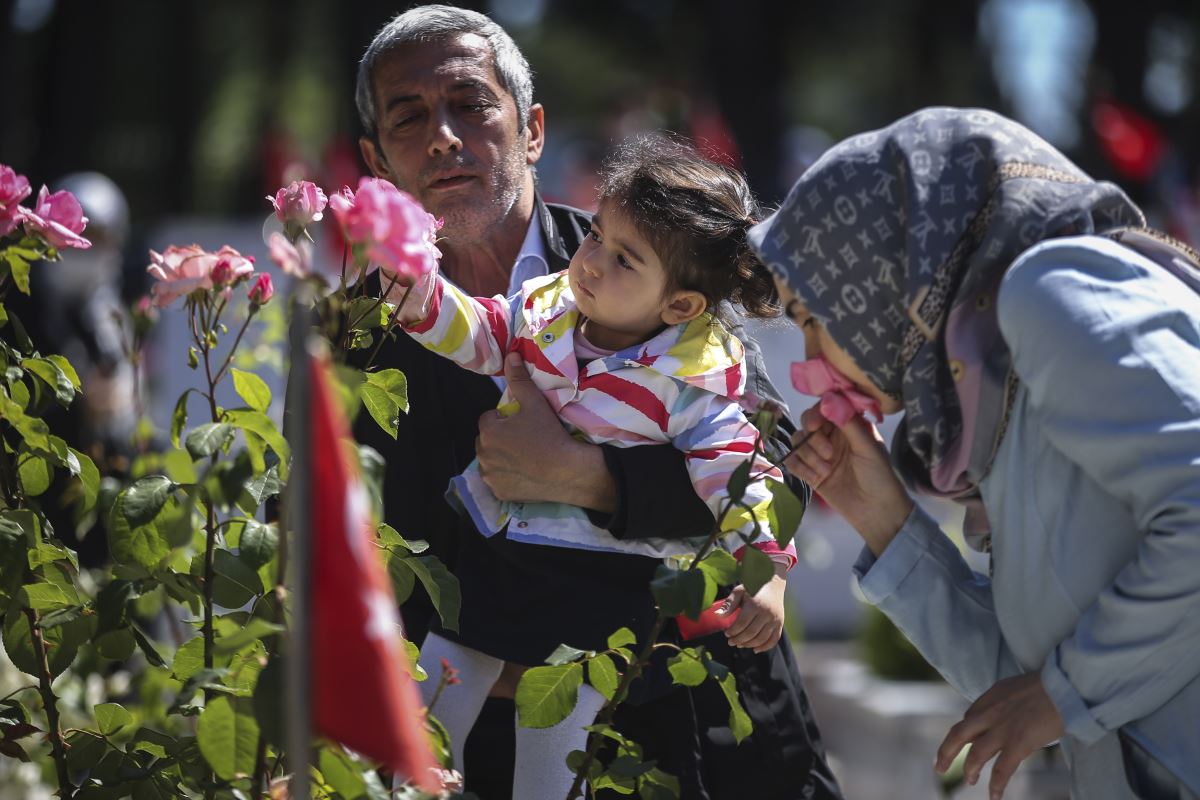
298,692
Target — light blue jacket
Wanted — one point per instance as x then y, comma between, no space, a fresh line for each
1094,505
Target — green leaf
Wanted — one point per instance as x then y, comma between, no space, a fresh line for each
179,417
390,537
622,637
189,659
658,785
68,370
564,654
258,543
20,270
145,498
785,513
116,645
678,591
385,394
85,751
62,643
252,389
687,669
61,617
402,576
341,775
144,545
738,481
34,470
236,583
153,657
441,586
44,596
721,567
265,484
209,438
547,695
602,675
54,377
259,424
111,717
739,720
253,630
756,570
34,431
268,702
89,478
228,736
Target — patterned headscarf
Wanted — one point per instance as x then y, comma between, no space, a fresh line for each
896,241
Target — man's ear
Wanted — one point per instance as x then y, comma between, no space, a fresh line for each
536,128
685,306
374,158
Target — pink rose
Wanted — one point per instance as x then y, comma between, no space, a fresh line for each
58,218
299,203
261,291
13,189
293,260
393,229
183,270
840,401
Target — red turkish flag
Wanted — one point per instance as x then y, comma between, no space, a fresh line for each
363,694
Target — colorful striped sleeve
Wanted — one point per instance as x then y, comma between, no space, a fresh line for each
473,332
716,438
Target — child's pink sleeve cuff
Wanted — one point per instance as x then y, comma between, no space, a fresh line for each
779,555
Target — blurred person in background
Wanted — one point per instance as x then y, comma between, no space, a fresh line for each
445,100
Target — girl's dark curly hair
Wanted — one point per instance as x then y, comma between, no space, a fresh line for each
695,214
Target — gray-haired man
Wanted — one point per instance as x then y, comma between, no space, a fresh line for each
446,102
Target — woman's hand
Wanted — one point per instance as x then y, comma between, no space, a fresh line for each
850,469
760,624
1011,720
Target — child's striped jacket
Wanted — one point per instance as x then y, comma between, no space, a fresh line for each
680,387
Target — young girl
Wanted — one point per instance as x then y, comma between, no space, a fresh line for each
627,349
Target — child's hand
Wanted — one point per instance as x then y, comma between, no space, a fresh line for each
760,624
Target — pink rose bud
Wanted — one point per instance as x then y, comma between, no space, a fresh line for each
840,401
222,273
57,218
13,189
299,203
261,291
391,226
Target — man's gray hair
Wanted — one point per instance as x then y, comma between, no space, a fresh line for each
433,23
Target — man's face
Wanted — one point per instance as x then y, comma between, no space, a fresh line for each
448,134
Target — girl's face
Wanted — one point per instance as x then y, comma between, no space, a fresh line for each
620,285
817,342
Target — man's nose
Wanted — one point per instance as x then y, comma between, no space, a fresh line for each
444,139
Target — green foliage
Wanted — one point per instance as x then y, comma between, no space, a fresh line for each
385,394
547,695
252,389
785,512
678,591
228,736
756,569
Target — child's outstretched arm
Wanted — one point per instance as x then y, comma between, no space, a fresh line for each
473,332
